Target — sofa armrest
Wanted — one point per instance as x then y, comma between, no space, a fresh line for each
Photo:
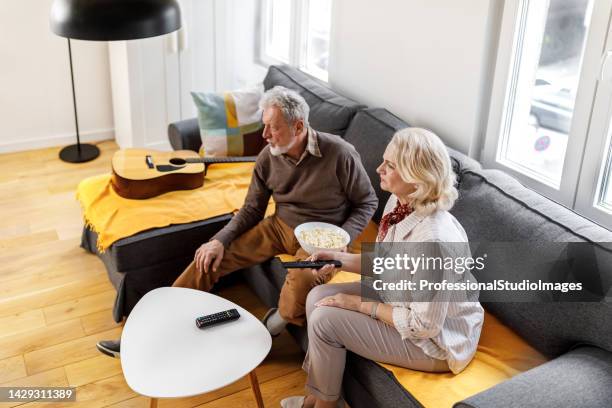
185,135
580,378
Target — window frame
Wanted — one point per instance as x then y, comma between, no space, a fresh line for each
581,135
597,155
263,57
298,38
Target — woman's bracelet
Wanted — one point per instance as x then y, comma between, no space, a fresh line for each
373,311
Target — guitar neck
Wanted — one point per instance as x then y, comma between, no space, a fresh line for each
212,160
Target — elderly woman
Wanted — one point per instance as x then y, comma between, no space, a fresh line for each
424,336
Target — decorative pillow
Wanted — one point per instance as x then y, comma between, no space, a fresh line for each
230,122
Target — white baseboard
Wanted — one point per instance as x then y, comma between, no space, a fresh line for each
62,140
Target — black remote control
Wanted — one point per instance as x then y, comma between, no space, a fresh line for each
216,318
312,264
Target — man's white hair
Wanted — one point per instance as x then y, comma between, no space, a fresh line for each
292,104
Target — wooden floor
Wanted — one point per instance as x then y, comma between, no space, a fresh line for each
55,298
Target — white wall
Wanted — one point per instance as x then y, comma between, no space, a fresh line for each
429,62
35,92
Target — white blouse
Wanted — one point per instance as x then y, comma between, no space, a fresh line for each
446,330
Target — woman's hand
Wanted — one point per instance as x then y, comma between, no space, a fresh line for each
384,312
342,300
325,255
350,262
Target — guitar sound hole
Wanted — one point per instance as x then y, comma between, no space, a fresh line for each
178,162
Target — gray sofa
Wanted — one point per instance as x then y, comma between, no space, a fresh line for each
492,206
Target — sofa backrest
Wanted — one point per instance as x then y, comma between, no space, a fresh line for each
329,111
371,131
494,207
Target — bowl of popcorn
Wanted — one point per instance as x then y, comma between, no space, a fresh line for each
321,236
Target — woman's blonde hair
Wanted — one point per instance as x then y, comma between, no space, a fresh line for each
422,159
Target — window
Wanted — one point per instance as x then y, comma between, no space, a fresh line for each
594,195
605,197
296,32
316,38
549,51
277,30
543,127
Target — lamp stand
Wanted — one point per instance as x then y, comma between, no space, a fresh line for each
79,152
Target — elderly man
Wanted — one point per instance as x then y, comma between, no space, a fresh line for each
312,176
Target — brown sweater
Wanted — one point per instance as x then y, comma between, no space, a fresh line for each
332,188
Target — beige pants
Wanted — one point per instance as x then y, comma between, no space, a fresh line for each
332,331
269,238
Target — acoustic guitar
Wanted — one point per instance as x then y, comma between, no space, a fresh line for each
140,173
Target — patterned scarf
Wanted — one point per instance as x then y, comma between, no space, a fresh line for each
400,212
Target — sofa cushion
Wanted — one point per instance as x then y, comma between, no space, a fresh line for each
494,207
230,122
371,131
329,111
491,197
501,355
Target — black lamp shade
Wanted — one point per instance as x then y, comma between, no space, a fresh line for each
114,20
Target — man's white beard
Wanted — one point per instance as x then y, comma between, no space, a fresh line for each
278,150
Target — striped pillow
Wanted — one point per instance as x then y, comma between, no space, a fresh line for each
230,122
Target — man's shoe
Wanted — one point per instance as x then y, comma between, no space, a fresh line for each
111,348
274,322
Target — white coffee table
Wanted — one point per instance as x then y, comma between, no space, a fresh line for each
164,354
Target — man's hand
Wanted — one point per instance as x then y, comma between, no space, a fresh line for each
342,300
323,274
208,257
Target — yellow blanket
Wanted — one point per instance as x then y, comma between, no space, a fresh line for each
113,217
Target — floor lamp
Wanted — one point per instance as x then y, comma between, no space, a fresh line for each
108,20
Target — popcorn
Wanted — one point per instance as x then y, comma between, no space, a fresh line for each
322,238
